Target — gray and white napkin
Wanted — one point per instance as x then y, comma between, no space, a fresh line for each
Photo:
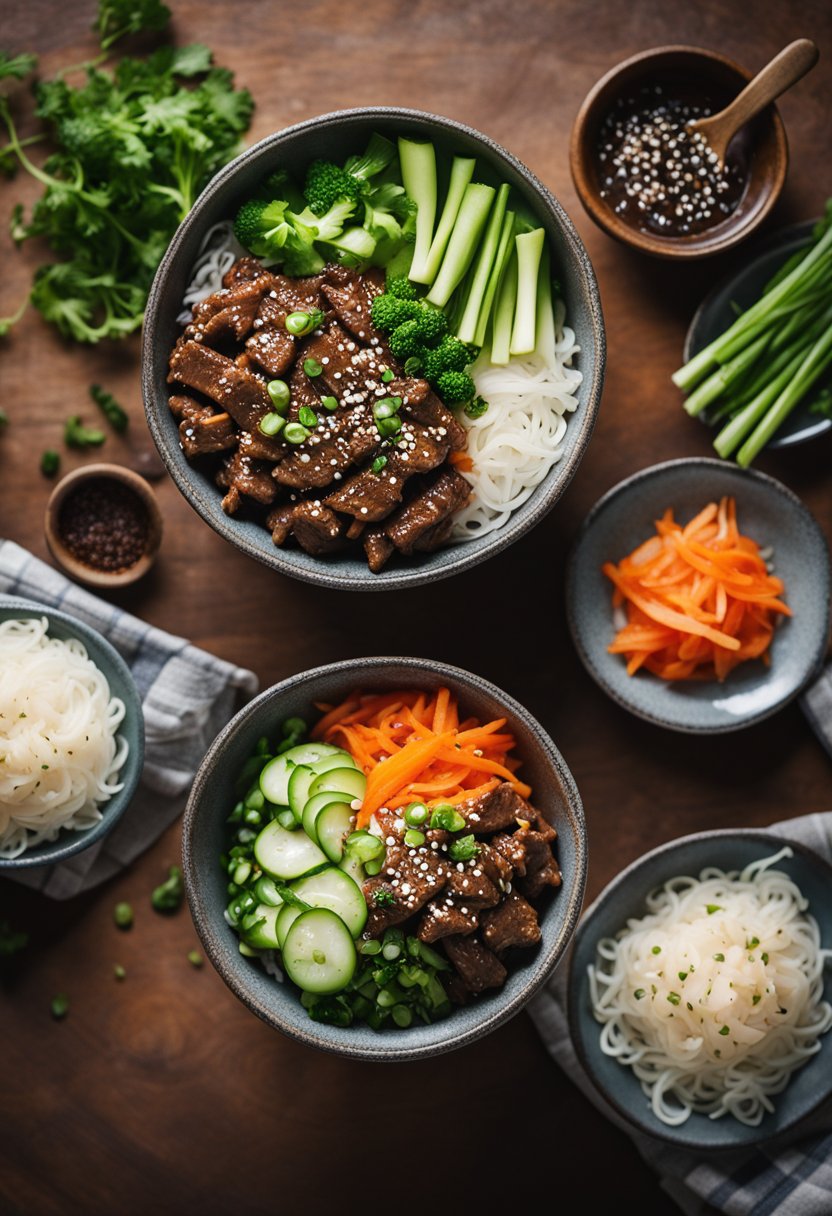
187,695
795,1180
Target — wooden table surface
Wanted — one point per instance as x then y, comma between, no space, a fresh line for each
163,1094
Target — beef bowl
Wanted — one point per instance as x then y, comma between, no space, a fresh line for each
384,858
373,353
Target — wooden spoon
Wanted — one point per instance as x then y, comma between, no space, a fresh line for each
784,70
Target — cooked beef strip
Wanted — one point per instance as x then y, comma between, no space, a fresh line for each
229,313
494,866
261,447
297,295
355,530
512,849
208,434
414,886
442,917
244,268
496,810
470,887
477,967
182,407
233,388
272,349
426,408
242,475
279,522
455,988
317,529
512,923
351,302
434,503
378,548
372,496
542,870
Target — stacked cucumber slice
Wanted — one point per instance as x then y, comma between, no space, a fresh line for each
309,900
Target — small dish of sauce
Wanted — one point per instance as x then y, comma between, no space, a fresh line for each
103,525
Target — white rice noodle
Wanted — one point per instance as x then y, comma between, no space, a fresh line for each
516,442
59,752
218,252
715,997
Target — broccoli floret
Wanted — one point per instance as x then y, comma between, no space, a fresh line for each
406,340
401,287
326,185
261,226
455,387
328,225
379,154
450,355
433,325
388,312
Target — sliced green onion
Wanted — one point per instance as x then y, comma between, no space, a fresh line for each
307,417
369,947
387,375
271,424
446,818
387,427
329,403
296,433
463,849
723,1030
302,323
416,814
401,1016
123,915
312,367
386,407
280,394
378,464
59,1006
413,838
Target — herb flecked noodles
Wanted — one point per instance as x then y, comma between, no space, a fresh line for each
59,748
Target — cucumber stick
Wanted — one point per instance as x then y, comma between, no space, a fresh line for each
462,247
462,170
418,166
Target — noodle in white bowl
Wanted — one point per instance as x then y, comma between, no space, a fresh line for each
714,997
60,754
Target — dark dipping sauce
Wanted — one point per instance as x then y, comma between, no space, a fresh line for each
657,176
105,525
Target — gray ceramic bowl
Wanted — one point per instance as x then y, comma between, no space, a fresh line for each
110,662
625,897
766,511
212,796
335,136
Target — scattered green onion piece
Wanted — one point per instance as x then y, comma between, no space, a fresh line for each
312,367
639,993
295,433
413,838
369,947
302,323
656,950
195,958
416,814
242,872
280,394
401,1016
271,425
764,957
391,951
711,908
378,464
387,427
720,958
387,375
674,998
119,972
50,462
385,407
373,868
446,818
329,403
123,915
168,896
307,417
59,1006
723,1030
756,998
463,849
412,366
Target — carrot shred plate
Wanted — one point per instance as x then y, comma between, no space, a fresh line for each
413,748
699,599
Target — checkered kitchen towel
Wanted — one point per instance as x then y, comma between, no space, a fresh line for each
187,694
795,1180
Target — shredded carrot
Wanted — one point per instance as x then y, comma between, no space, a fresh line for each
413,747
699,599
462,461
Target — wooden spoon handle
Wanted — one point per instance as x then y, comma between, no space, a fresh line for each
785,69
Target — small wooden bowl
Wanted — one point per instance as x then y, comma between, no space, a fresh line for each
718,80
78,570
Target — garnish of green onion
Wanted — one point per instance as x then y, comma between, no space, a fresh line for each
378,464
764,957
639,993
271,424
416,814
674,998
307,417
295,433
413,838
720,958
683,975
312,367
59,1006
756,998
329,403
123,915
195,958
723,1030
119,972
280,394
656,950
302,323
752,942
711,908
388,426
385,407
387,375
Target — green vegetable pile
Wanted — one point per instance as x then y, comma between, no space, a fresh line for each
134,144
773,356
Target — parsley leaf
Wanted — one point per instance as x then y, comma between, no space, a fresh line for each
76,435
117,18
16,66
111,409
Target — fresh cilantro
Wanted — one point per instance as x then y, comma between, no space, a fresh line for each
118,18
383,898
76,435
111,409
16,66
464,848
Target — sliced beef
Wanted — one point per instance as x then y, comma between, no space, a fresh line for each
352,300
378,548
542,870
372,496
476,966
234,389
426,408
434,504
272,349
279,522
494,866
242,476
297,295
336,446
512,849
244,268
208,434
512,923
495,810
470,887
443,917
413,886
317,529
229,313
345,368
261,447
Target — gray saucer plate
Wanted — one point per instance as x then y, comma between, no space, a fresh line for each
625,897
120,680
718,310
766,511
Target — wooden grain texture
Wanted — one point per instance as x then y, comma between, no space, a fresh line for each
163,1094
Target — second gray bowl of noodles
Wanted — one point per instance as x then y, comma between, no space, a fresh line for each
335,136
806,1089
130,733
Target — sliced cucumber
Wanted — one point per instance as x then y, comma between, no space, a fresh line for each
266,891
318,953
345,780
333,823
300,779
286,854
258,927
315,805
274,779
288,915
333,889
337,759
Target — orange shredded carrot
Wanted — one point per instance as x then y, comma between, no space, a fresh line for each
699,599
462,461
413,747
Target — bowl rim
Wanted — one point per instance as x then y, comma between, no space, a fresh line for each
576,984
772,485
521,520
544,964
69,843
700,245
106,471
